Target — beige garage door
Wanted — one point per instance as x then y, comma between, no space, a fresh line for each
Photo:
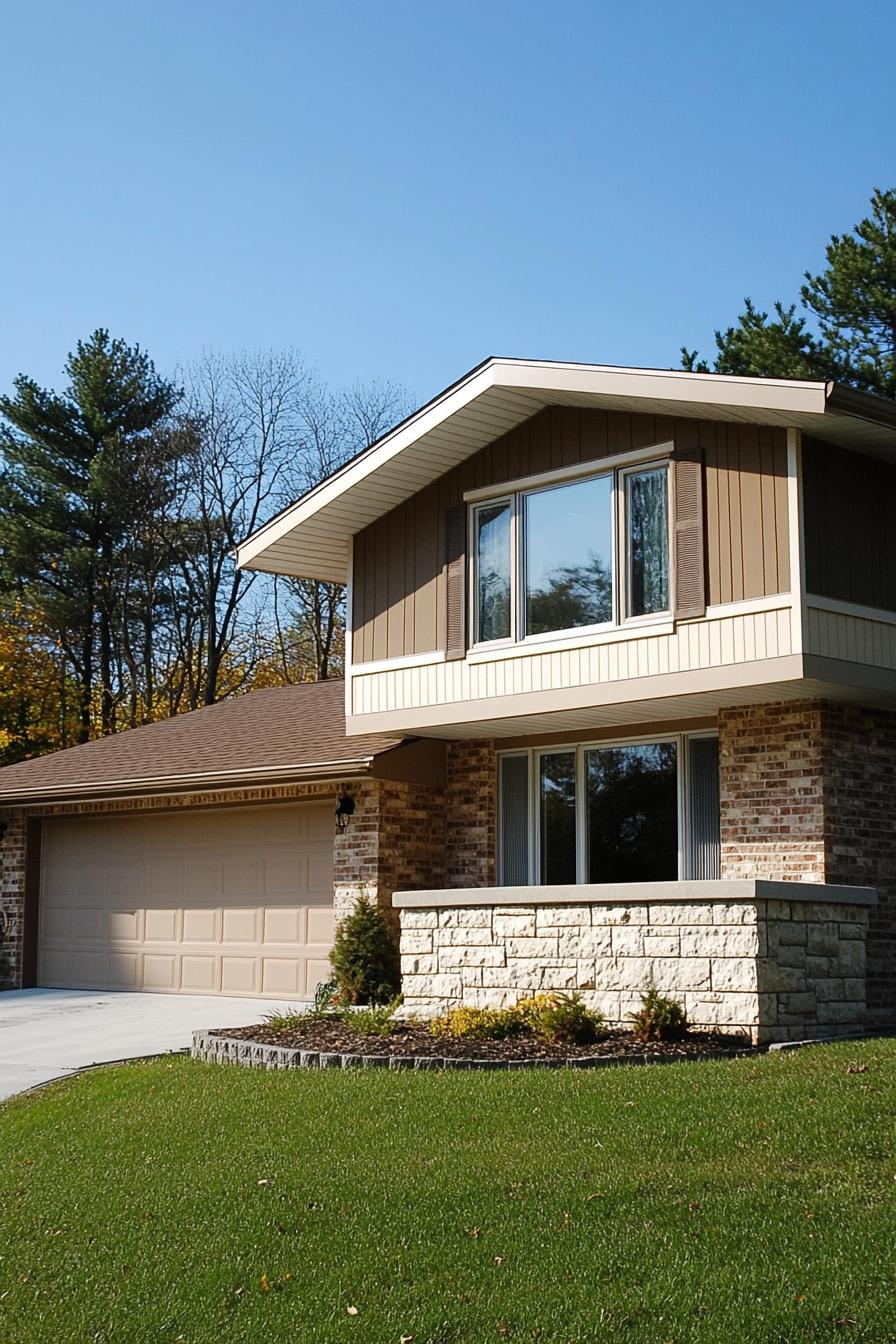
226,902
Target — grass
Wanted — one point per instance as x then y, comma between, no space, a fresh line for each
736,1202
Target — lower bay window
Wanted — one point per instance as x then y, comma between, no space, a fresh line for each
637,811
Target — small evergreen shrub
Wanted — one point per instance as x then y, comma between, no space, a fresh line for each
659,1018
478,1024
561,1017
365,957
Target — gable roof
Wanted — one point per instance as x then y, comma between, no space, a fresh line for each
311,538
276,735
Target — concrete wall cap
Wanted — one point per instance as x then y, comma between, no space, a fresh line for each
631,893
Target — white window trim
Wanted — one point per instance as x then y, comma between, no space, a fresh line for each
579,749
515,494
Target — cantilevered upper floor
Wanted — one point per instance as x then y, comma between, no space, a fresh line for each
553,547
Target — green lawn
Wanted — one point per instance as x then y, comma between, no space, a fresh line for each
750,1200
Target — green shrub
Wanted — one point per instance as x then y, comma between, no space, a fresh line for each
291,1020
365,957
478,1024
659,1018
378,1020
561,1017
326,998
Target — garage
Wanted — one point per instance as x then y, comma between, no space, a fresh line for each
224,901
211,852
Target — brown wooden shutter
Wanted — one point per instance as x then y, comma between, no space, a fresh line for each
688,546
456,572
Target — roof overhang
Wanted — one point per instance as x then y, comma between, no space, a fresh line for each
176,785
311,539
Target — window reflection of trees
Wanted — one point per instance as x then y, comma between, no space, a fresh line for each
574,595
632,797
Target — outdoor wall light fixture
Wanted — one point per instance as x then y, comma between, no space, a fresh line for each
345,810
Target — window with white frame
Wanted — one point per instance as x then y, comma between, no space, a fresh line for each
576,556
636,811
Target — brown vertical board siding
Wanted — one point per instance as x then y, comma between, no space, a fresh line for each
849,510
399,605
782,511
753,546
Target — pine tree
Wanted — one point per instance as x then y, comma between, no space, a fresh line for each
848,332
76,469
854,300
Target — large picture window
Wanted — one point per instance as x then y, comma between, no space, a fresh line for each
585,554
611,812
568,545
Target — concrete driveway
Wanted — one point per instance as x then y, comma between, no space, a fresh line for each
47,1033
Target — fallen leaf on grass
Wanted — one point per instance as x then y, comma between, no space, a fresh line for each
857,1068
265,1283
352,1311
406,1339
474,1232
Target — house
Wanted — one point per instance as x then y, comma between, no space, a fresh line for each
632,634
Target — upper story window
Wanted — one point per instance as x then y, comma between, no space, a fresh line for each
577,556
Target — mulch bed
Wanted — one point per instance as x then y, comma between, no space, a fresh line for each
412,1040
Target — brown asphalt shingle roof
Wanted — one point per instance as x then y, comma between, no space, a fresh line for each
271,733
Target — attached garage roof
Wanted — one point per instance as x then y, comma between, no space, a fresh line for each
311,538
279,734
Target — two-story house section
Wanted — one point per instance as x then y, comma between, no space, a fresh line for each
653,616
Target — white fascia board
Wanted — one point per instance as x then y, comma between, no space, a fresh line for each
519,375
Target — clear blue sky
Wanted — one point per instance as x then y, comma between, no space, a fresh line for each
399,189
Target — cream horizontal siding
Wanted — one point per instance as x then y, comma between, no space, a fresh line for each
716,641
851,638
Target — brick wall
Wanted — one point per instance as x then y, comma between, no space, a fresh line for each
472,814
771,794
395,841
859,753
808,792
12,899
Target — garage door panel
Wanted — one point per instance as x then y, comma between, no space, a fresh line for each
203,875
283,977
124,970
284,925
320,876
160,970
124,925
318,971
239,926
229,901
161,926
320,924
201,926
165,876
239,975
199,975
285,874
242,879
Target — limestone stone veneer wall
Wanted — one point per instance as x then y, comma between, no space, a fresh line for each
771,960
